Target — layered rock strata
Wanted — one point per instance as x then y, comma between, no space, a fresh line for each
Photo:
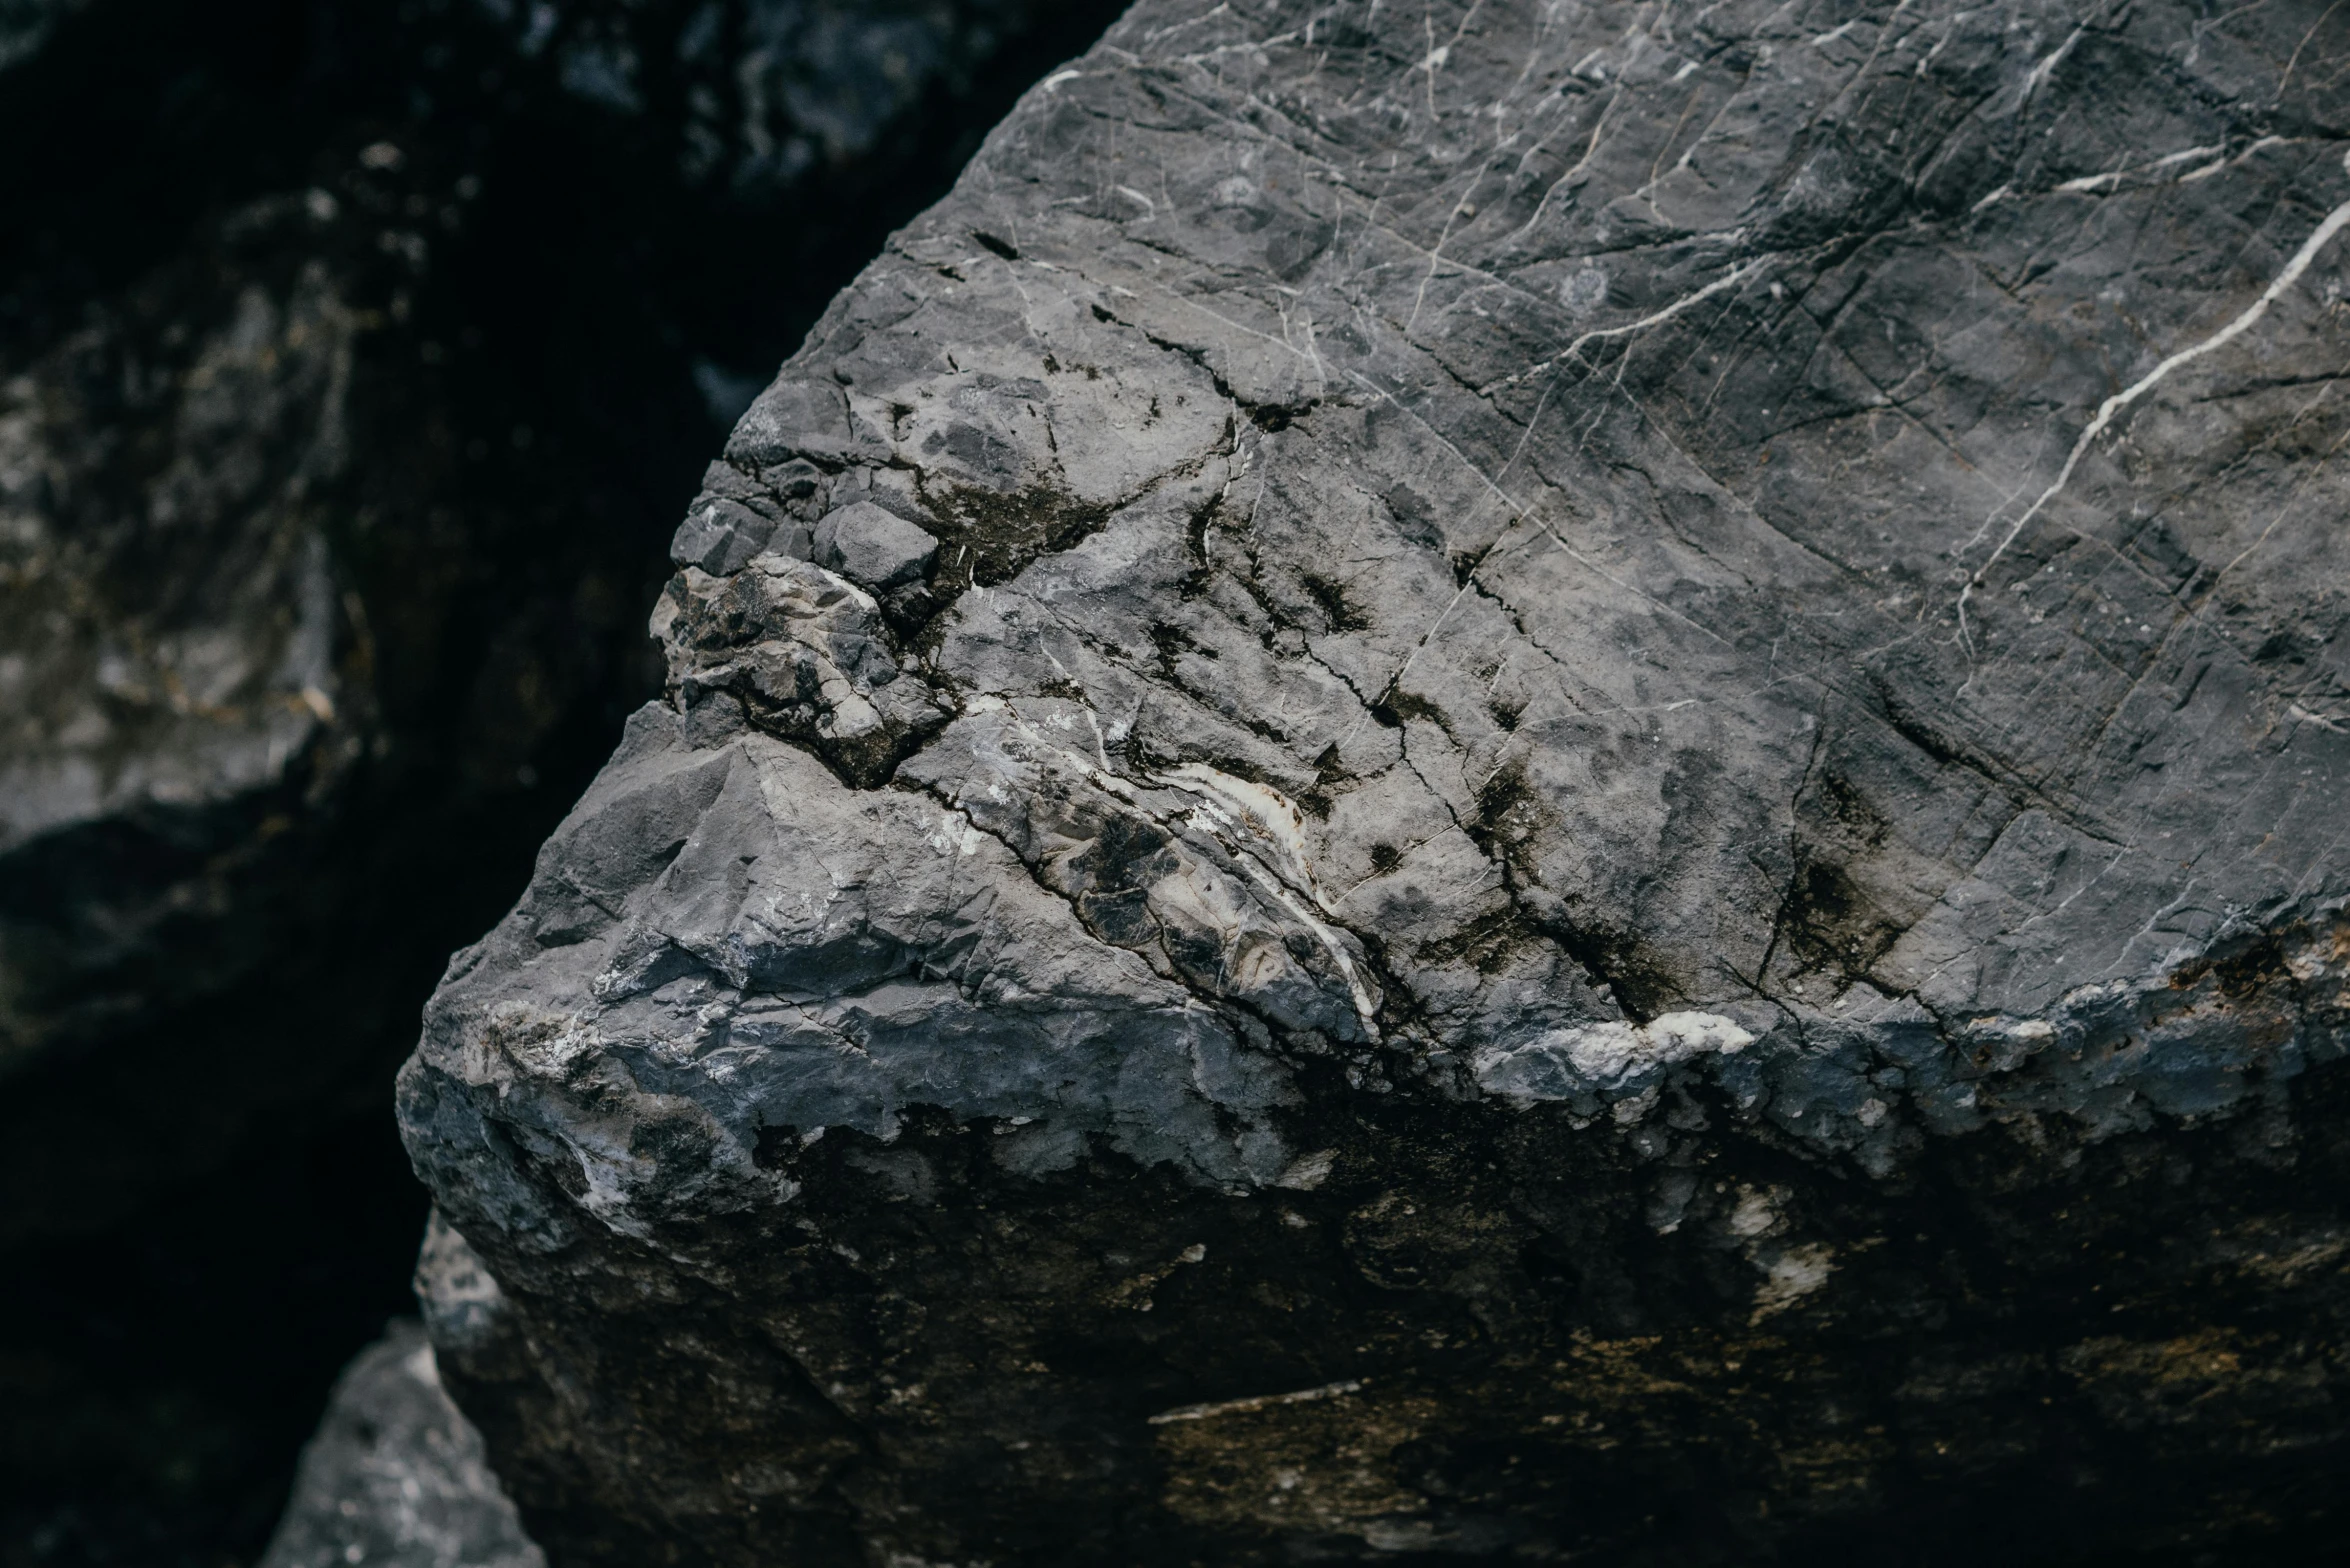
1501,780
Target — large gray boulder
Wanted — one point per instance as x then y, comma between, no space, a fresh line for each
1611,826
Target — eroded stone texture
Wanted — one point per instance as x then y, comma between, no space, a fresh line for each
1611,826
273,554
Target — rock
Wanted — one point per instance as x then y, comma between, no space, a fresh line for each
351,372
808,650
874,547
169,645
396,1477
1622,839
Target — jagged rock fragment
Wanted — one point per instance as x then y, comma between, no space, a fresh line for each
877,548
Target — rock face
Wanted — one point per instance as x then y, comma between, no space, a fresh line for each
1609,825
395,1476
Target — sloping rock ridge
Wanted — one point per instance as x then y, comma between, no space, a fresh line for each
1496,781
396,1477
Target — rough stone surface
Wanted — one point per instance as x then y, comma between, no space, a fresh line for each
1612,827
396,1477
866,544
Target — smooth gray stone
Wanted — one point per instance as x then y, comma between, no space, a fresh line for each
875,547
1623,838
396,1477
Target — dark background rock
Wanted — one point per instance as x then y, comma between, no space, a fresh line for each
1611,829
396,1477
354,360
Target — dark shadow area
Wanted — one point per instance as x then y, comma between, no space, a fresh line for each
562,246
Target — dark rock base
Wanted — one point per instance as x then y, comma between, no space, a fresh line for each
2127,1351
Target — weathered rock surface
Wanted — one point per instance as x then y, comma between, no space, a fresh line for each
1610,826
395,1476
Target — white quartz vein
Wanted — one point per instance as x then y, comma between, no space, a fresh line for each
2319,238
1728,280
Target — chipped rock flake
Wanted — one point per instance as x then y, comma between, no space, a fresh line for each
872,546
1567,1062
1791,1276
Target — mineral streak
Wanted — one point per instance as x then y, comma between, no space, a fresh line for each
1610,825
